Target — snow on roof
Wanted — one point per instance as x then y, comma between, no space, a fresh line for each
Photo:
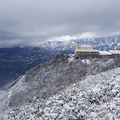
115,51
110,52
79,50
85,45
105,53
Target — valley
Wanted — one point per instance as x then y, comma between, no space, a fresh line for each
17,60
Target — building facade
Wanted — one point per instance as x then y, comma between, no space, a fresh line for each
85,51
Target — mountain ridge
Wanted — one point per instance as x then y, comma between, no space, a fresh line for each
95,96
49,78
108,42
16,61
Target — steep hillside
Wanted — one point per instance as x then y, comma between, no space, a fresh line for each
95,97
49,78
16,61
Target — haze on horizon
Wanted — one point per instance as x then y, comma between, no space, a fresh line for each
31,22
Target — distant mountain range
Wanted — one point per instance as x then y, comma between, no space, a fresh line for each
108,42
17,60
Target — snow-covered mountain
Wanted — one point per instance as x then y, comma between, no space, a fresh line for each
96,97
108,42
53,78
16,61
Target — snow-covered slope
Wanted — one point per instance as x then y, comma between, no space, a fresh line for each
109,52
49,78
107,42
96,97
16,61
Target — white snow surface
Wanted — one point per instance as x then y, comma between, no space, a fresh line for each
71,57
85,45
115,51
87,61
5,96
110,52
105,53
96,97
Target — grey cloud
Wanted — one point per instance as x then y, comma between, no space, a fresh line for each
29,21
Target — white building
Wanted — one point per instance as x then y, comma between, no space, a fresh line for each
85,51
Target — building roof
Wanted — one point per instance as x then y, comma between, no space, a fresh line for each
78,50
85,45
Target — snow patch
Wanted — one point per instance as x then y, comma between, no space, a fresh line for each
95,97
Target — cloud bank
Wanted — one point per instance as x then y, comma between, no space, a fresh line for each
28,22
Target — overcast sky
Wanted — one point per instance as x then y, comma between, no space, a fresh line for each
30,22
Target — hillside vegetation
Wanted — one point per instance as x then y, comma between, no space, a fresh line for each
95,97
49,78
